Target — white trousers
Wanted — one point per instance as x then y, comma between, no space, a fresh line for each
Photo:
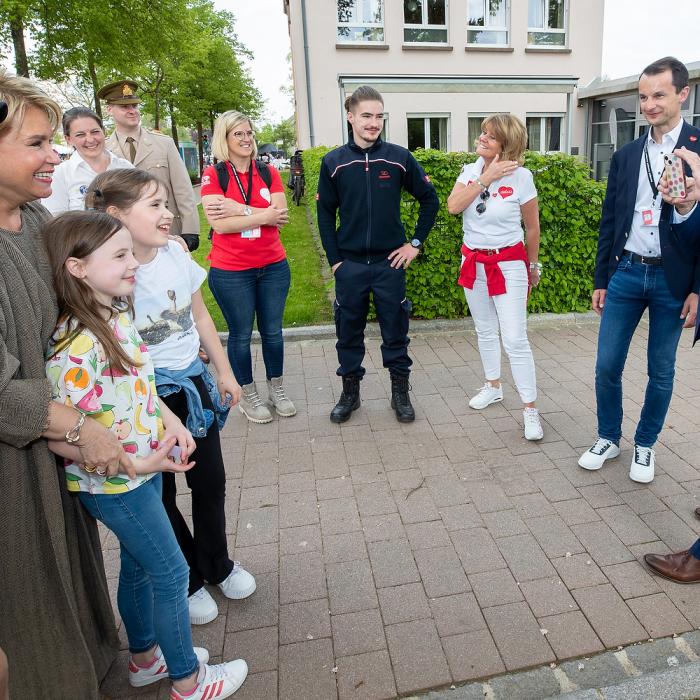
504,314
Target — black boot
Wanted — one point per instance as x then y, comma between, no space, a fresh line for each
349,400
400,401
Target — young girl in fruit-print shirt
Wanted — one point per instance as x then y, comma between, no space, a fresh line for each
98,364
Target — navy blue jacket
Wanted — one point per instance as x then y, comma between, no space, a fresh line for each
365,186
686,236
681,268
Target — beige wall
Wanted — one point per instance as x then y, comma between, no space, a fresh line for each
327,64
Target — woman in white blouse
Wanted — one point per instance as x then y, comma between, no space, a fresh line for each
496,197
83,130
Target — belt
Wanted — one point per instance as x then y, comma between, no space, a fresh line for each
645,260
491,251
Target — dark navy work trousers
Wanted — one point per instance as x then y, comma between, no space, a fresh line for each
354,282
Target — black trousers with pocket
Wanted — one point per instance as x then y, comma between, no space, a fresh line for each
206,550
354,282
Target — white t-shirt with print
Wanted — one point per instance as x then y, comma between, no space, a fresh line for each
163,305
500,225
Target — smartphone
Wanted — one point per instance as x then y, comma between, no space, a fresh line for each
675,177
175,454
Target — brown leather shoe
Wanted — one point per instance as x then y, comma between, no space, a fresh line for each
697,512
681,567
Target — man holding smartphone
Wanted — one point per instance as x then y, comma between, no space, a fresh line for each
640,266
683,567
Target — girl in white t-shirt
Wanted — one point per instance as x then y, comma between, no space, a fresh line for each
173,321
494,195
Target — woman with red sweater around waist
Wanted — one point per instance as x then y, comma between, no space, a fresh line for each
496,196
249,275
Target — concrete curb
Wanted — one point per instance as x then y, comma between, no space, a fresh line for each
667,669
420,327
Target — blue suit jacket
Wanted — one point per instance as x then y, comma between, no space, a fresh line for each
682,267
686,236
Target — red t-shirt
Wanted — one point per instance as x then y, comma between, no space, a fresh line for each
230,251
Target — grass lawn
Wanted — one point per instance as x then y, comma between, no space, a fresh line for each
307,303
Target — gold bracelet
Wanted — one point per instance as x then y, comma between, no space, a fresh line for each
73,435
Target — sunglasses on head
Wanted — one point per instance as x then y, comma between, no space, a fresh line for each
481,206
3,111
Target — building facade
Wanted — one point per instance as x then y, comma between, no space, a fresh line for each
442,65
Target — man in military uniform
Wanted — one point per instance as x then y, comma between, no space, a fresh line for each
152,151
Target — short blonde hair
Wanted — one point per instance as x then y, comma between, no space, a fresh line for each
20,93
510,132
223,126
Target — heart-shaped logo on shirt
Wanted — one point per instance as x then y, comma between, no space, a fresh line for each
505,191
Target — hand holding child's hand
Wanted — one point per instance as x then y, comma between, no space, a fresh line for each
160,461
175,429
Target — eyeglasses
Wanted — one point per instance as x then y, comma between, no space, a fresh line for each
240,135
481,206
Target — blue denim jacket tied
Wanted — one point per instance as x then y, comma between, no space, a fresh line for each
199,419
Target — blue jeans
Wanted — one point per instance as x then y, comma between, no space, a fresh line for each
244,295
153,580
633,288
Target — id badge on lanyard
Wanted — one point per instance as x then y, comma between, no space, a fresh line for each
652,215
251,232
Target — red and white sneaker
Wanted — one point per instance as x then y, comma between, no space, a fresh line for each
216,682
158,670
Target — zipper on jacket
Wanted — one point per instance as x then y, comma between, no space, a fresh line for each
369,205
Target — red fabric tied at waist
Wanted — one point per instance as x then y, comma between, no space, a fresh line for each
495,282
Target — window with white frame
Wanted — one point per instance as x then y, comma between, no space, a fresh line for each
425,21
487,22
546,23
545,132
695,117
427,131
360,21
474,130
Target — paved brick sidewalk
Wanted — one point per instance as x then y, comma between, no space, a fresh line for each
392,559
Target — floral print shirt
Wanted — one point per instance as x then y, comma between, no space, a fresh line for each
125,403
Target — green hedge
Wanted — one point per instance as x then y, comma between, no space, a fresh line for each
569,201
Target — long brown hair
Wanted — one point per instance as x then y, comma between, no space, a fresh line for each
78,234
120,188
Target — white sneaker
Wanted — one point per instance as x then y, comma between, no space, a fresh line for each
158,670
642,468
203,607
238,584
594,457
533,427
487,395
216,682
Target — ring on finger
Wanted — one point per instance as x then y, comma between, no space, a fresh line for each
100,473
89,468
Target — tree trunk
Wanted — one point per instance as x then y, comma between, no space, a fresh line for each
21,63
173,126
200,146
156,100
95,86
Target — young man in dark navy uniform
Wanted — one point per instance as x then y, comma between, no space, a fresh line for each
369,251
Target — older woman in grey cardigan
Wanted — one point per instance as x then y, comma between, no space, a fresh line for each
56,622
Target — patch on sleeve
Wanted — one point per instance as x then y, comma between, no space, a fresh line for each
205,180
318,196
427,178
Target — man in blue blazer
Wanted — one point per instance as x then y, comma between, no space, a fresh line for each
640,266
683,567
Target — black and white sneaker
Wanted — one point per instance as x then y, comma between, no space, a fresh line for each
642,467
595,457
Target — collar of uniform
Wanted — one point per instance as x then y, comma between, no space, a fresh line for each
371,149
140,136
669,137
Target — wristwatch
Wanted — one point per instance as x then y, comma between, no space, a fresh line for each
416,243
247,211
